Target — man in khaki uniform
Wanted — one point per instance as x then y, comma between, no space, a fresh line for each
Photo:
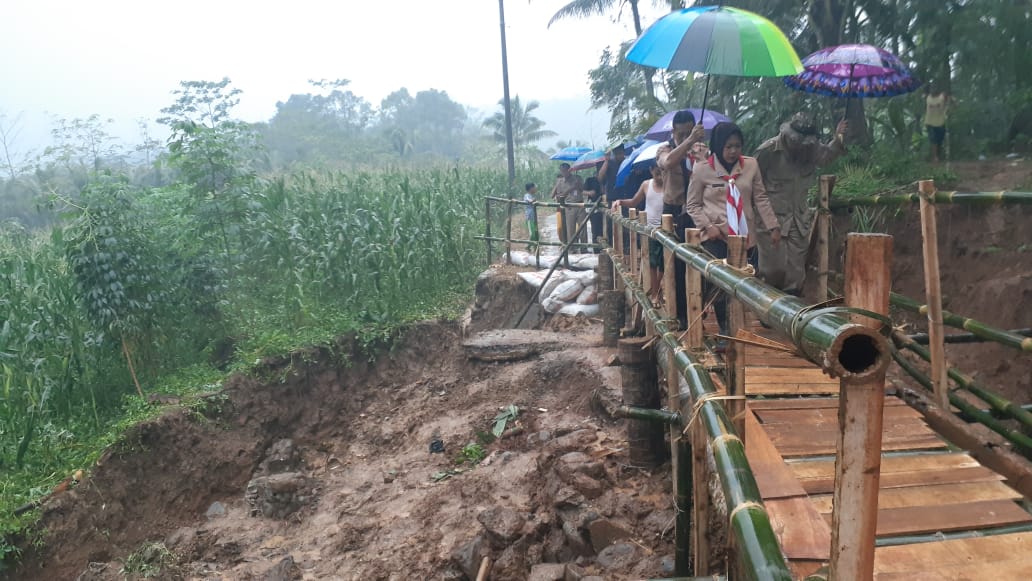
788,163
568,188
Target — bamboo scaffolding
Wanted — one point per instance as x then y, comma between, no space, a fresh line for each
996,402
1023,442
758,549
977,328
987,198
824,336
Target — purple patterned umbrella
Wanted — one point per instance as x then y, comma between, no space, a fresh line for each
854,71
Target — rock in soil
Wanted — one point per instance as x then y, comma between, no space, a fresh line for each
547,572
503,525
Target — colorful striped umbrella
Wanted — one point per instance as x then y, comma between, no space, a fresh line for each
716,40
854,71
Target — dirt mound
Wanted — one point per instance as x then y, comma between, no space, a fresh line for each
320,467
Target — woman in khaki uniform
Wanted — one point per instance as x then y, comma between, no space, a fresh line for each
726,196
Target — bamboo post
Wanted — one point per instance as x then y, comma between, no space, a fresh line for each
669,283
643,253
632,259
605,223
640,389
564,230
827,184
487,227
617,234
681,460
700,466
485,569
933,294
508,230
735,354
858,463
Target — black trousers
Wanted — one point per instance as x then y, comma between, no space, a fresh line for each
718,248
681,221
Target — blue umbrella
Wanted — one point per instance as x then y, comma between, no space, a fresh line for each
631,162
589,159
569,153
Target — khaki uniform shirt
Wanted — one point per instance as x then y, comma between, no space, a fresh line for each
676,179
707,196
568,188
788,180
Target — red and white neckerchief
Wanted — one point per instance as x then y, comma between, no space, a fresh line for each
736,224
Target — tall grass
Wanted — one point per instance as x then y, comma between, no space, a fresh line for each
133,277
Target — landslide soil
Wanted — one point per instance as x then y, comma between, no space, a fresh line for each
375,511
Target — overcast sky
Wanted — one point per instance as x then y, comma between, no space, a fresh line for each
122,58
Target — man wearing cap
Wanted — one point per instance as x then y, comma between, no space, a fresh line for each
788,163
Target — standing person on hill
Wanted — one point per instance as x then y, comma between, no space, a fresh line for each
726,197
674,158
937,103
530,213
568,188
788,163
651,192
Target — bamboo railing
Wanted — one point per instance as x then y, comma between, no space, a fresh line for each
977,328
986,198
758,549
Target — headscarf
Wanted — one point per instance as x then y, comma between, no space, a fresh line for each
721,133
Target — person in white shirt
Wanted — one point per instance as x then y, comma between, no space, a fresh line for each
651,191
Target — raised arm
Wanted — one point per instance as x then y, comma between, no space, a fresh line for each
638,198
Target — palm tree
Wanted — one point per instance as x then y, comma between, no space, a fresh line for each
585,8
526,127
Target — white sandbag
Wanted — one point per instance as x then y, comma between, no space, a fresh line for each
575,310
534,279
522,258
558,277
586,277
588,296
547,261
552,306
567,291
587,262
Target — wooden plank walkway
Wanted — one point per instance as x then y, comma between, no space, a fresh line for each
926,487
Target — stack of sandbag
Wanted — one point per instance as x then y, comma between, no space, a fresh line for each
577,261
566,292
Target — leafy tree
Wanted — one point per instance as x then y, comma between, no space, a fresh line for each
526,127
427,123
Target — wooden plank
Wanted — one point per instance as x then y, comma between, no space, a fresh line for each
1017,569
801,531
808,403
932,495
890,464
826,485
803,568
985,551
914,520
749,335
819,440
828,416
774,478
823,449
794,375
791,389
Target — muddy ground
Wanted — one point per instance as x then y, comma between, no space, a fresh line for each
220,493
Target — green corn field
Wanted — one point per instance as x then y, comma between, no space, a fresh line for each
139,290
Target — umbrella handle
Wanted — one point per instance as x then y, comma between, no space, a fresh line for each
705,96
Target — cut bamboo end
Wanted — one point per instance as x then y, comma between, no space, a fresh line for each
668,223
857,354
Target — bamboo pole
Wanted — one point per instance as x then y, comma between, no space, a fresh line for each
681,469
632,259
540,204
579,245
858,461
735,352
986,198
978,328
922,338
564,231
827,184
840,347
997,402
508,229
669,282
485,569
487,228
759,551
701,506
651,415
643,253
933,294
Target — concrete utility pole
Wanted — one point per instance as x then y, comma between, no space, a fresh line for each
509,150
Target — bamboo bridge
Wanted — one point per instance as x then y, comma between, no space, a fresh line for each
826,472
